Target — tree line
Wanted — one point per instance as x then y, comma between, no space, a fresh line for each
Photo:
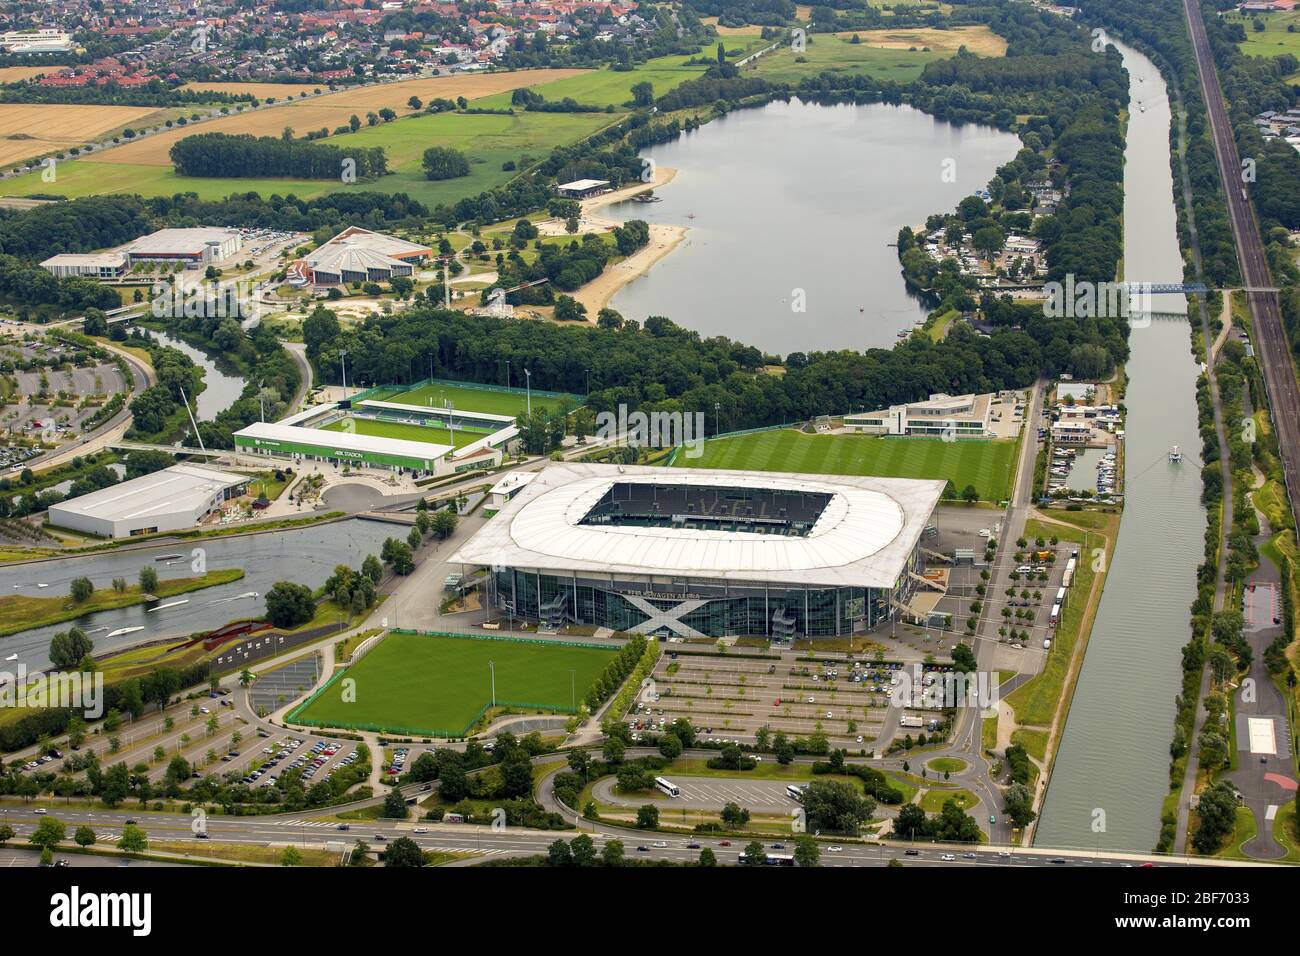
261,157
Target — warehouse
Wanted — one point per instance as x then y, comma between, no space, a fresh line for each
702,552
174,499
96,265
197,246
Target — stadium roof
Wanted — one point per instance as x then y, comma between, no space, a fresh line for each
347,441
862,538
435,410
177,488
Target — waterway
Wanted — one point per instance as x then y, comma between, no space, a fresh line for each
222,388
305,556
795,204
1112,771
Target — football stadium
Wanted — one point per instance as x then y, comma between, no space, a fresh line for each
432,428
705,553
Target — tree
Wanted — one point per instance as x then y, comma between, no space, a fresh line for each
290,856
613,751
643,94
647,817
48,834
612,854
1217,816
372,568
670,745
806,851
69,648
443,524
443,162
734,815
84,836
754,854
133,839
289,604
6,833
970,495
1017,803
148,580
708,858
81,589
559,854
395,806
583,850
404,852
835,805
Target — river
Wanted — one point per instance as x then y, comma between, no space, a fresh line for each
222,389
796,200
305,556
1112,770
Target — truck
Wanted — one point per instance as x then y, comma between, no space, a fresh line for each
908,720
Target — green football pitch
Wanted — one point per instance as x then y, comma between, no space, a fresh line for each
411,683
985,464
470,399
372,426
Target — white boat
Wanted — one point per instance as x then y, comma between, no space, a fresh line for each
42,585
246,594
163,607
1175,455
12,657
168,557
123,630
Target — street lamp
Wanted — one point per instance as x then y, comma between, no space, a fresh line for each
717,406
492,667
344,366
528,386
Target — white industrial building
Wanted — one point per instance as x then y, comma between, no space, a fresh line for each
174,499
95,265
955,416
194,246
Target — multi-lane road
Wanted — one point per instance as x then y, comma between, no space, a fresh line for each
1270,334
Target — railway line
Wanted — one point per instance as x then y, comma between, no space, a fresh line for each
1270,333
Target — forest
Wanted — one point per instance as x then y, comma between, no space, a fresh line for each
265,157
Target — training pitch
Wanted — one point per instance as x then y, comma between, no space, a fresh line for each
467,398
417,684
984,464
382,429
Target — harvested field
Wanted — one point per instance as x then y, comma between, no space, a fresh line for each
16,74
32,129
260,90
979,40
333,110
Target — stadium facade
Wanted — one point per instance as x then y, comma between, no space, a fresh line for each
704,553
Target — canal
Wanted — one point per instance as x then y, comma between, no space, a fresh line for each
1112,769
223,387
305,556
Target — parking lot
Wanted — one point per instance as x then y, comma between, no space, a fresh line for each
708,793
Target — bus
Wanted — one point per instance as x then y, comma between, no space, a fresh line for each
667,786
769,859
794,793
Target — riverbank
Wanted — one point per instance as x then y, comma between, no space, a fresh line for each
22,613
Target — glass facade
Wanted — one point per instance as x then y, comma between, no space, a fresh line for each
694,607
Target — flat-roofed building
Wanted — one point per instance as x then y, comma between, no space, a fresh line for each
96,265
583,188
955,416
173,499
193,246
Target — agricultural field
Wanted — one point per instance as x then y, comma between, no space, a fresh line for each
16,74
489,140
381,429
415,683
1276,37
898,55
470,399
260,90
614,88
984,464
33,129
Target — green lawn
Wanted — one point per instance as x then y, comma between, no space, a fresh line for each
438,436
985,464
488,140
467,398
420,684
1274,40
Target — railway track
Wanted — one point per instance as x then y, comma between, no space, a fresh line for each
1270,333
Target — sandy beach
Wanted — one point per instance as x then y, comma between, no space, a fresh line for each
596,294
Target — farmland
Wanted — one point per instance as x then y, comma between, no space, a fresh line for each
34,129
491,140
984,464
415,683
897,55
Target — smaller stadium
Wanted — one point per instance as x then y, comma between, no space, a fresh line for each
430,429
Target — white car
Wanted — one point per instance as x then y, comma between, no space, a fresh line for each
948,858
811,699
985,533
835,849
420,830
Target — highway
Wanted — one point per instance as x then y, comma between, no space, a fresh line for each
1270,334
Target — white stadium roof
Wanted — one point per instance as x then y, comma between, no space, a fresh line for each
862,538
348,441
